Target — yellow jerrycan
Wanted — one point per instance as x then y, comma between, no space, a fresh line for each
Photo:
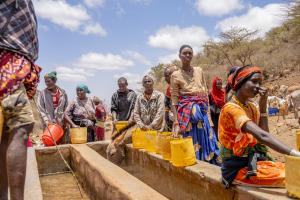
292,176
182,152
138,139
298,140
120,124
151,141
78,135
161,140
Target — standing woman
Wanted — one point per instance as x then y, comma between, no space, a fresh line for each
216,101
190,105
52,101
81,112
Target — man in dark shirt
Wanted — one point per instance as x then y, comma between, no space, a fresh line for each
122,102
19,77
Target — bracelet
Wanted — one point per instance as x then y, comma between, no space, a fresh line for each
263,114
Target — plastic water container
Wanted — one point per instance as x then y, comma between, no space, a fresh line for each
182,152
298,140
151,141
78,135
138,139
160,141
1,122
292,176
273,111
164,147
120,124
52,133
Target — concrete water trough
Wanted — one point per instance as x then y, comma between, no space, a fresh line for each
141,176
49,178
200,181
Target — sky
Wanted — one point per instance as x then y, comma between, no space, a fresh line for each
97,41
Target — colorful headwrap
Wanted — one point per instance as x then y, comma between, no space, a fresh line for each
235,79
52,75
84,88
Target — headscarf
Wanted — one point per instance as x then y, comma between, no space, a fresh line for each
218,95
52,75
236,79
83,87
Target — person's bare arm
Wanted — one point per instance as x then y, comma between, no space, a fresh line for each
266,138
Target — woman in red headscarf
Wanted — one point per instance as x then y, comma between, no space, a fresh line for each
244,134
216,101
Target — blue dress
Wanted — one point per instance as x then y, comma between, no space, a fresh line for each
204,138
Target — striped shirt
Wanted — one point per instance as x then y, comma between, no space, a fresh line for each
18,28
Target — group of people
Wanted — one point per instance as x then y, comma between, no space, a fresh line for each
240,125
83,111
238,137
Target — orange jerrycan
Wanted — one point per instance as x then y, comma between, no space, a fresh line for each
292,176
52,133
151,141
182,152
138,138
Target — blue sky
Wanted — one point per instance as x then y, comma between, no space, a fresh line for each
96,41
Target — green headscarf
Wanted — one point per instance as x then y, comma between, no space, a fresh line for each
52,75
84,88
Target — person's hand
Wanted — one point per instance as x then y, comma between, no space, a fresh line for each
75,126
263,100
176,130
295,153
145,128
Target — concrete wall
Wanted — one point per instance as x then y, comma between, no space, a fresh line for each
200,181
103,180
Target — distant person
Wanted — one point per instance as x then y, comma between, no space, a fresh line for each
244,132
100,114
81,112
52,101
122,102
169,117
190,105
19,77
149,108
216,101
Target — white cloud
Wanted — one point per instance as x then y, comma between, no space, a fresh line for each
144,2
100,61
94,3
168,58
134,55
218,7
119,9
61,13
72,74
172,37
71,17
96,29
261,18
